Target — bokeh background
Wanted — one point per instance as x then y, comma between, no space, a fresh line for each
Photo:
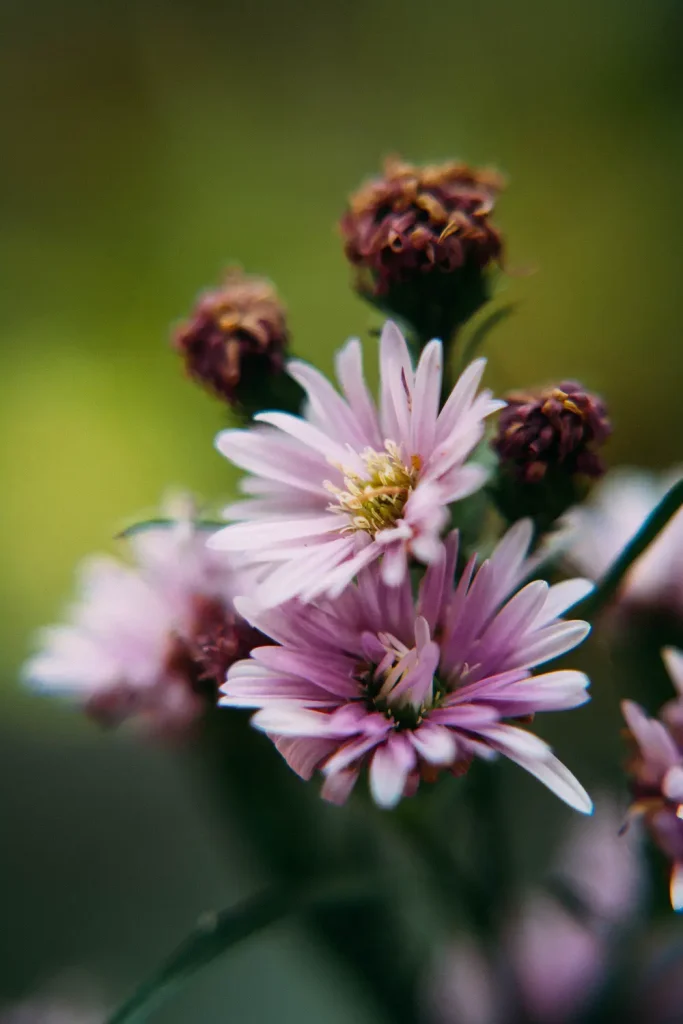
146,147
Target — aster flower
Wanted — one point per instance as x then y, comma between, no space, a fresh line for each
656,773
150,638
421,240
349,484
408,688
600,530
236,339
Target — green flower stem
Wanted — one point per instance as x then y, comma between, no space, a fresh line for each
608,586
215,934
295,838
458,892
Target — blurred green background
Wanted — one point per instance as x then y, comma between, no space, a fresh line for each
149,145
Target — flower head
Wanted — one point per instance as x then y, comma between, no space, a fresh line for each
547,445
235,339
420,239
149,639
412,687
600,530
560,427
656,773
349,484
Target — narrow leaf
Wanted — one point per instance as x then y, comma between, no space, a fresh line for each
216,933
482,331
165,523
609,584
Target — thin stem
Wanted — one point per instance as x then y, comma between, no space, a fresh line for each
608,586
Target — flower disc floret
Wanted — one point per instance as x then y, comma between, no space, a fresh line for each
377,501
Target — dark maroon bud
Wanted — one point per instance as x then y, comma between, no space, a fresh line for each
421,242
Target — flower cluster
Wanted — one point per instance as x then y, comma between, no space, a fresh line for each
388,595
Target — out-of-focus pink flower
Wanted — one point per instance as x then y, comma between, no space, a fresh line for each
50,1011
150,638
348,484
70,999
408,687
551,963
656,774
603,527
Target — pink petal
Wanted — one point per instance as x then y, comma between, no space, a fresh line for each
562,596
396,377
334,452
676,887
349,367
426,397
673,659
434,743
331,411
337,787
389,770
289,719
303,755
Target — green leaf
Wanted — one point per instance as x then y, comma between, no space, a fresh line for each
215,934
166,523
613,578
482,331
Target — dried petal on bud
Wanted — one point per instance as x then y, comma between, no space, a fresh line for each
561,426
236,338
420,239
548,445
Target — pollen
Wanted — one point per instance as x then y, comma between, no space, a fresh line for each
376,501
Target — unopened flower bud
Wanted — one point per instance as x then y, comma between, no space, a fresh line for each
421,241
548,443
235,341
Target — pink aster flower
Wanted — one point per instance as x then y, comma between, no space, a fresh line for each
603,527
656,773
150,638
409,687
349,483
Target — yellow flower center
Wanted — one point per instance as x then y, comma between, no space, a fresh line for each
376,500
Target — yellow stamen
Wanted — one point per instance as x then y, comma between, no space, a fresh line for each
376,502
